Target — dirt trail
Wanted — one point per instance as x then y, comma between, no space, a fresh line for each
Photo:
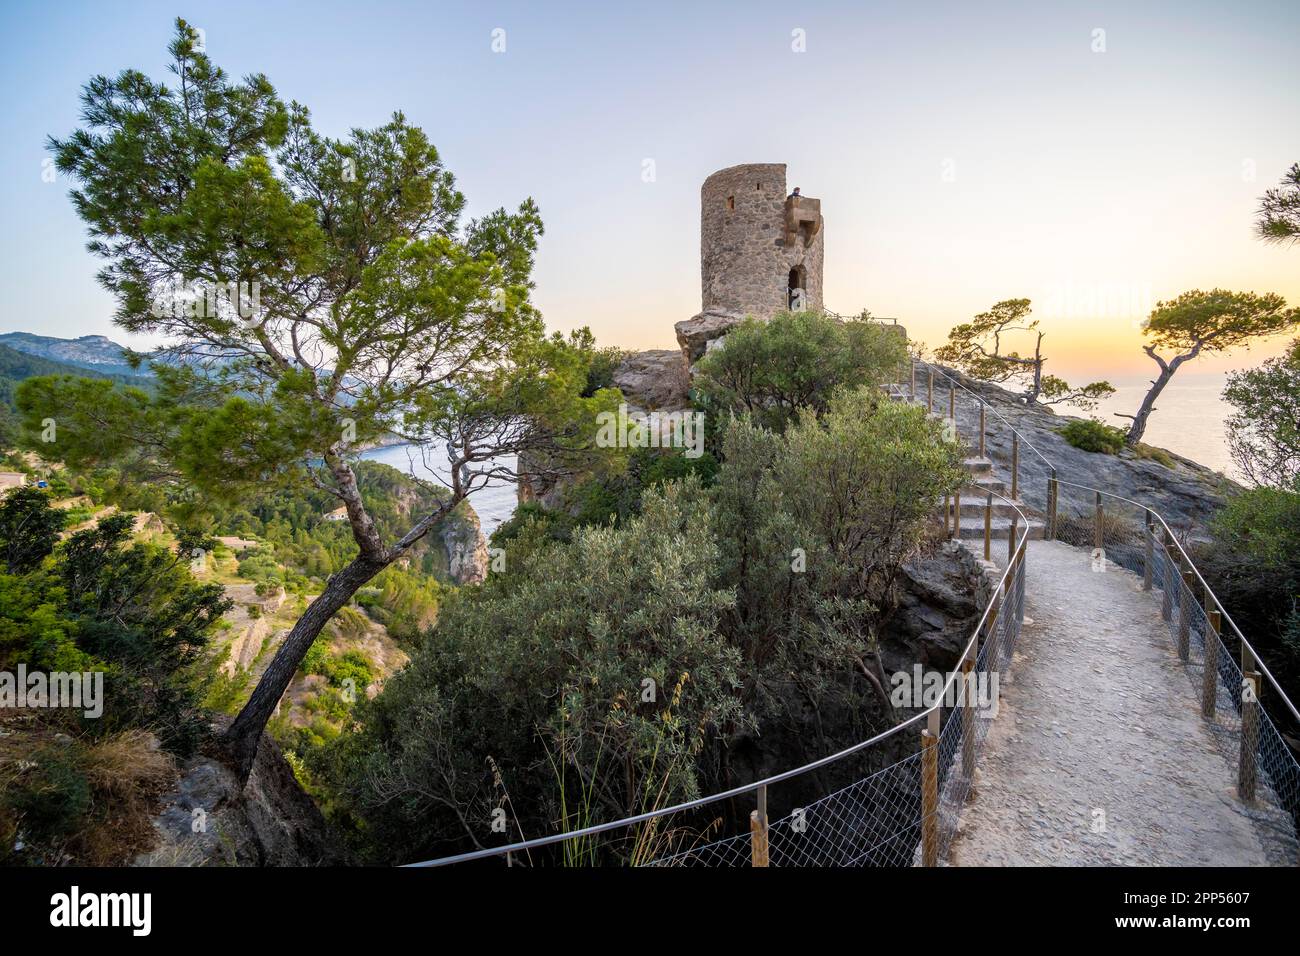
1099,755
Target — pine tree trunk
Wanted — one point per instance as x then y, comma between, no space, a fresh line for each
1144,411
242,737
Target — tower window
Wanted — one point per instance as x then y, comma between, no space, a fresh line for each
731,202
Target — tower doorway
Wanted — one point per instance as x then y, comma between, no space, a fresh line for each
796,291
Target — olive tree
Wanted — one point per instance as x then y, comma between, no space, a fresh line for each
771,369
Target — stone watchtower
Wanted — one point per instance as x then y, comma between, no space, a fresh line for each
760,252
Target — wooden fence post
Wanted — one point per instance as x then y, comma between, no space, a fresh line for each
993,629
983,424
988,527
956,515
929,393
1246,771
930,791
1011,540
1210,665
1185,601
1166,605
1015,466
758,830
1050,531
1146,567
1099,532
952,405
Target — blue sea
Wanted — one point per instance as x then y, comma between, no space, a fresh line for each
494,504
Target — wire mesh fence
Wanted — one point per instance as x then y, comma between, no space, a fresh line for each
1121,534
878,819
903,807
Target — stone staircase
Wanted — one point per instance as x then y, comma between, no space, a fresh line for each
973,498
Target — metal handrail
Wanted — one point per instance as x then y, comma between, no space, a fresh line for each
1015,561
1191,565
1263,668
956,384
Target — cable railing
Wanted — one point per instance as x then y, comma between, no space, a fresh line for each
896,803
1121,533
1230,688
895,798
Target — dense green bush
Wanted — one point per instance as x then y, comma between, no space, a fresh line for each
769,370
1253,565
1092,435
545,671
739,606
100,602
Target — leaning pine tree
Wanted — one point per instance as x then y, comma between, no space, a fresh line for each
1199,323
314,294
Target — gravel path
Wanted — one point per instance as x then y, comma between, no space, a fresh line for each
1099,755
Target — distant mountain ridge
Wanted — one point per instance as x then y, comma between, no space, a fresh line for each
95,352
99,353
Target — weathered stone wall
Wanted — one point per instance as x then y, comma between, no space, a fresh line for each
751,236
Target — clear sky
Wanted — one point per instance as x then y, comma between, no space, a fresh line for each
964,153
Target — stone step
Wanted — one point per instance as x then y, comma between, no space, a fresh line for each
972,526
974,505
983,484
978,466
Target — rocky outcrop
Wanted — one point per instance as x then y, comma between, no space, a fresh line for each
207,820
249,629
462,539
456,543
538,485
695,334
658,379
940,597
1185,493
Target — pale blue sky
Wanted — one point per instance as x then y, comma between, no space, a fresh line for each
1091,182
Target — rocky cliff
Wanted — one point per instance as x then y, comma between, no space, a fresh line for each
1187,494
207,820
464,545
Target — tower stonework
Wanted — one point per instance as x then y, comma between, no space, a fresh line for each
753,239
761,252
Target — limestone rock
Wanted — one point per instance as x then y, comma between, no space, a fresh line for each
207,820
695,334
1187,494
940,597
655,379
467,554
